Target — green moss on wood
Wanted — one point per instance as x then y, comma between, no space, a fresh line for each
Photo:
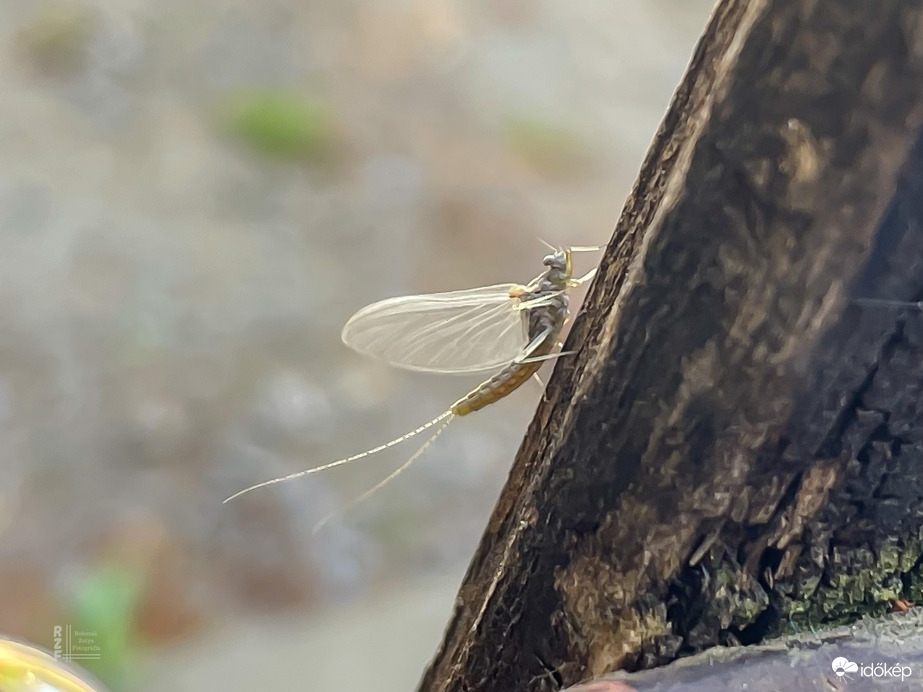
861,584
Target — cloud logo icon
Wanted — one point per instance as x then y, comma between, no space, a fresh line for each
842,665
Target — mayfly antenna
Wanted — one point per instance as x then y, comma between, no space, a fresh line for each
548,245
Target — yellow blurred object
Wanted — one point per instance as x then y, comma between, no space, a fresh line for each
26,668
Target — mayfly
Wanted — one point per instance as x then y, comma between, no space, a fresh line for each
507,328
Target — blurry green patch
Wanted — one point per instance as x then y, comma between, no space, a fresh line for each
280,124
106,604
550,149
56,41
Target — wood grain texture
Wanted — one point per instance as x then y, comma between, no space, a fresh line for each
733,450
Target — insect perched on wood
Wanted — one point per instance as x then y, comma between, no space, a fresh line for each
512,327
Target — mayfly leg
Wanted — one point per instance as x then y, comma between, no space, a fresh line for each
355,457
538,302
547,356
536,359
886,302
534,344
573,283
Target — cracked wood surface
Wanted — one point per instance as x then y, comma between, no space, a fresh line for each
733,449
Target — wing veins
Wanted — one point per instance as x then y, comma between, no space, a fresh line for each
479,321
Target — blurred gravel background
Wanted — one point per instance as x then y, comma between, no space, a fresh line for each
194,197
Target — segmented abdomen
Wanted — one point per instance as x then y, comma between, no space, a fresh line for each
501,384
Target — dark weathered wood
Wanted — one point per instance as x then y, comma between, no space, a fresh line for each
734,449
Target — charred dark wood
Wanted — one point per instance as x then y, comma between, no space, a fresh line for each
735,450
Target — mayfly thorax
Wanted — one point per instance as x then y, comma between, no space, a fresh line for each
509,329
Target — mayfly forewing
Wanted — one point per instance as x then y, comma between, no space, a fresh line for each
467,331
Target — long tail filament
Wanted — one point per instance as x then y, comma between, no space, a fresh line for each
340,462
394,474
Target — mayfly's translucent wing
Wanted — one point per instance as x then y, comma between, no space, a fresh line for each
457,332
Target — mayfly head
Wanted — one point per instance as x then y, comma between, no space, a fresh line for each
561,260
559,266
